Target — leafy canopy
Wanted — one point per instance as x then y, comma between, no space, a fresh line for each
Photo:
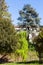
28,16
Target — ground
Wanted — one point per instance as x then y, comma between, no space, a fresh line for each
20,64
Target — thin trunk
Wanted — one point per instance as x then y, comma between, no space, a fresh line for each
40,59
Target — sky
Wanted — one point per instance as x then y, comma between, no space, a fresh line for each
16,5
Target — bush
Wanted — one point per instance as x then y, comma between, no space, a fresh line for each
23,45
39,45
31,47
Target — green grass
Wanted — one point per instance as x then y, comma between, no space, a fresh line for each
20,64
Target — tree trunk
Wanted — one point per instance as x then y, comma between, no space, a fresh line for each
40,58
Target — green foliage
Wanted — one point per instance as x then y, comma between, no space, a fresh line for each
23,45
39,41
4,10
8,37
28,16
22,34
39,45
31,47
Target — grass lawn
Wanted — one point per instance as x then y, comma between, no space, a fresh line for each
20,64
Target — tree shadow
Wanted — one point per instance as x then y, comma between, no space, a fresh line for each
29,62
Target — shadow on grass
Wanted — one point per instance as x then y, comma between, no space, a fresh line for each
30,62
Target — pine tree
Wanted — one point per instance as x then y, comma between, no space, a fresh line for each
29,19
8,37
28,16
4,10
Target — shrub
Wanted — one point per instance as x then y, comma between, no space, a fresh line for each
23,45
39,45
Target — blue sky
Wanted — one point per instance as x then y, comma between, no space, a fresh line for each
16,5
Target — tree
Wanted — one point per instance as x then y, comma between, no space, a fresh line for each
8,37
28,16
39,45
4,10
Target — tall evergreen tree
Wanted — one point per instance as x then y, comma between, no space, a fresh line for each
29,19
8,37
28,16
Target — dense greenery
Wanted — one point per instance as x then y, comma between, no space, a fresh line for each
22,45
39,44
12,41
8,38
